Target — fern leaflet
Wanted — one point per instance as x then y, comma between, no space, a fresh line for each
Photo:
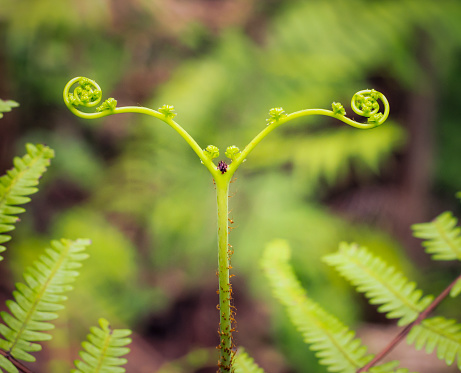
6,106
103,350
19,182
243,363
441,334
381,283
333,342
442,237
38,300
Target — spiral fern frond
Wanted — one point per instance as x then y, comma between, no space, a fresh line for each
381,283
335,345
37,301
243,363
440,334
103,350
19,182
442,237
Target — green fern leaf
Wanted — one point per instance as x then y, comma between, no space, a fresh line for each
390,367
6,106
103,350
381,283
442,237
456,289
38,300
19,182
243,363
333,342
438,334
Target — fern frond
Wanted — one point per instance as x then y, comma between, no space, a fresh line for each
442,237
38,299
440,334
333,342
381,283
19,182
103,350
243,363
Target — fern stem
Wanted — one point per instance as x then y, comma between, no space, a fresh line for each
404,332
225,289
16,363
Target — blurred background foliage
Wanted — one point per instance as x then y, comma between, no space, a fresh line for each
132,185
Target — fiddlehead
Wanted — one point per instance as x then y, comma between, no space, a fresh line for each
364,103
87,94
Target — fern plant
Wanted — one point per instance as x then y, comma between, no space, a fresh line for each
81,94
38,299
396,296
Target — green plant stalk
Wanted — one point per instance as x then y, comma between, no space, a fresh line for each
88,94
225,289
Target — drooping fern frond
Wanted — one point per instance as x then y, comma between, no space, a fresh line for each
335,345
381,283
440,334
19,182
6,106
243,363
37,301
442,237
103,350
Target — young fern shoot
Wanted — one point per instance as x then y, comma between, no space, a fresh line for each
82,94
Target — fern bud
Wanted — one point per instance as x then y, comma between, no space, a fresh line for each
109,104
211,152
87,93
168,111
275,115
338,109
232,152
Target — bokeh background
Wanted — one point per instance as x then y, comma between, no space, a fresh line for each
138,191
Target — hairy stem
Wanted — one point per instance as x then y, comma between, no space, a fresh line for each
407,329
225,289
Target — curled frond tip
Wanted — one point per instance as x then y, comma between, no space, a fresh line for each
81,93
366,104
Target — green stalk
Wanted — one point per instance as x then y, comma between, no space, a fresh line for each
225,289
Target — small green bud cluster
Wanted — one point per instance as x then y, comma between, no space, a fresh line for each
375,118
168,111
232,152
109,104
211,152
275,115
367,103
84,94
338,109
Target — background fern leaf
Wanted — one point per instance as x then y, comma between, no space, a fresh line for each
381,283
19,182
333,342
243,363
390,367
441,334
442,237
103,350
6,106
38,300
